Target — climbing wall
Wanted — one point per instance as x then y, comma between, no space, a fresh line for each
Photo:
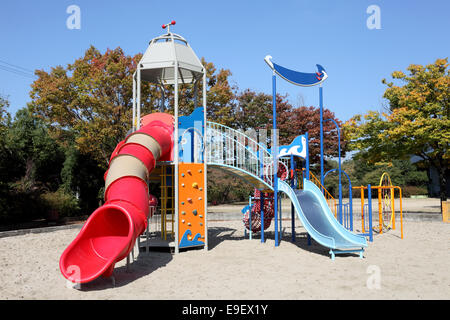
191,205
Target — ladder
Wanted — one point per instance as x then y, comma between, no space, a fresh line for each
167,202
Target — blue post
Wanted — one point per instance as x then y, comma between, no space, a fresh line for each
250,217
321,132
339,168
280,212
292,206
369,196
350,200
275,155
261,197
307,156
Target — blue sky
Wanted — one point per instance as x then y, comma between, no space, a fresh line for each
237,35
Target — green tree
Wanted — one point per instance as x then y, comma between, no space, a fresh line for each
30,164
35,157
417,121
5,117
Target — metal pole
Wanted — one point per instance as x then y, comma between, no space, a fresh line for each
261,194
175,160
321,132
339,168
261,212
380,212
340,180
280,212
292,205
250,217
205,179
138,102
350,200
275,156
307,156
369,200
133,126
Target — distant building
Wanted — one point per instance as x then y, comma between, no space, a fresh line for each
433,182
433,186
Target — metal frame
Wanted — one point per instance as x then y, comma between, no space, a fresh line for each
197,72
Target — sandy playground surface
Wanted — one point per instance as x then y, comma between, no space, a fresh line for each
417,267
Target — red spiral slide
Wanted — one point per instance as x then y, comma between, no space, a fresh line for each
110,232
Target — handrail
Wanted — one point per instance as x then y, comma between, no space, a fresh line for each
331,201
227,146
362,188
238,132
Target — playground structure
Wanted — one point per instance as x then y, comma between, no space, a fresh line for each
386,207
176,151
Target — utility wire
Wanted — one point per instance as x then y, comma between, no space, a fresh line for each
18,70
19,73
17,67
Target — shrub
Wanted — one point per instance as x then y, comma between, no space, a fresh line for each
65,204
408,191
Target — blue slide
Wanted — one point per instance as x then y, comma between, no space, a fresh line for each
318,220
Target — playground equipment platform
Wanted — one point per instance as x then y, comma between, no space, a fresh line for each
155,243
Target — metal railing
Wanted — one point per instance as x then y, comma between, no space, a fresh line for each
331,201
229,147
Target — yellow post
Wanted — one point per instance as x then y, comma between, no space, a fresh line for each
445,211
401,212
380,211
362,209
163,203
393,206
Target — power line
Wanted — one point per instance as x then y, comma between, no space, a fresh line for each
16,66
18,70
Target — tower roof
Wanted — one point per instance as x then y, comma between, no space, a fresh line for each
158,62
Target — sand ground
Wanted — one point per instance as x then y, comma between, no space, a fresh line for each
417,267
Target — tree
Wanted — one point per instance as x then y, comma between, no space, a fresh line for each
5,117
254,111
30,164
417,121
37,158
90,101
307,119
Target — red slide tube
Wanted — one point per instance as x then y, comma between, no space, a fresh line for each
110,232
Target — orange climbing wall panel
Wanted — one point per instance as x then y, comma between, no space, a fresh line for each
191,204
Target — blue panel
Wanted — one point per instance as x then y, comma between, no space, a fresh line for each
184,242
296,148
187,127
301,78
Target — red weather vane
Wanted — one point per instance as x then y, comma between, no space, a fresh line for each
167,25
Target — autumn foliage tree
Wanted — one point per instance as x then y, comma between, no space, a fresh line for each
417,121
91,99
254,111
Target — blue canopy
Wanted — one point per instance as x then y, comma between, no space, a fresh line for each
298,78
